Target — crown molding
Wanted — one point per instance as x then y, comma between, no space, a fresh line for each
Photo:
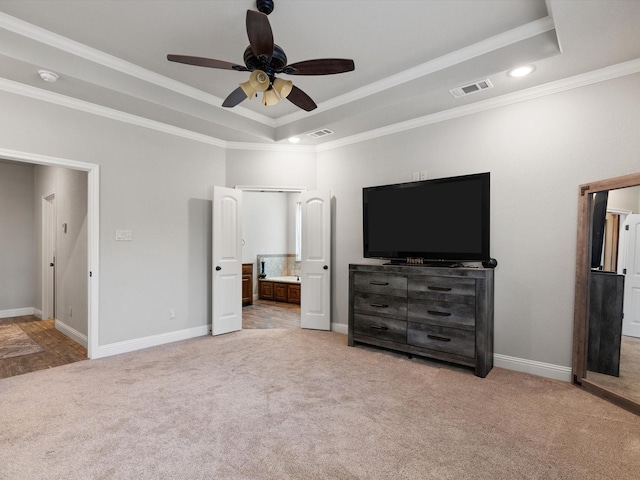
78,49
99,110
483,47
596,76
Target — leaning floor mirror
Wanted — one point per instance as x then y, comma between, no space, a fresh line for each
606,334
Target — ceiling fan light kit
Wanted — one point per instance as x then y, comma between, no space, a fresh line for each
264,59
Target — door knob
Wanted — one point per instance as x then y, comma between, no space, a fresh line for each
218,268
326,267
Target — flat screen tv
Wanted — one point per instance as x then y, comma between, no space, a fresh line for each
441,220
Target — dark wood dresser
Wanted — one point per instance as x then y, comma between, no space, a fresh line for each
435,312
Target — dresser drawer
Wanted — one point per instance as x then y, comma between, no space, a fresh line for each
381,305
443,289
443,339
395,285
389,329
446,314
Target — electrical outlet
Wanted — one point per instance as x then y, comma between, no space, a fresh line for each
172,314
423,175
415,176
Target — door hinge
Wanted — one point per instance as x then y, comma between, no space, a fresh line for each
626,227
624,271
90,273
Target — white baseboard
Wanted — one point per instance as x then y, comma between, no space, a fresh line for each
72,333
339,327
37,313
548,370
16,312
152,341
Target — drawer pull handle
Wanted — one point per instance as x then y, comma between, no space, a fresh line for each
379,305
378,283
440,289
441,314
438,337
379,327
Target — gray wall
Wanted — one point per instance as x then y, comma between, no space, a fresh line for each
538,152
17,236
70,188
158,186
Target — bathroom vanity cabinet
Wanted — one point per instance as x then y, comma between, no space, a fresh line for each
279,291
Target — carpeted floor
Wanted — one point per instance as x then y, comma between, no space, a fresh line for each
299,404
628,383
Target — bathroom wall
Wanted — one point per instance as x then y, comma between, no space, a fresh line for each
268,230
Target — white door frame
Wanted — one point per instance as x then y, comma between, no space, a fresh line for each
93,231
48,260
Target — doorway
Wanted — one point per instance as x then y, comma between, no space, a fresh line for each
90,269
227,256
271,243
48,264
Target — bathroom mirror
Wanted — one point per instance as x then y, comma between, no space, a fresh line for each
606,353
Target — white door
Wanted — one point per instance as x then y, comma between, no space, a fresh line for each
631,308
227,260
49,256
315,300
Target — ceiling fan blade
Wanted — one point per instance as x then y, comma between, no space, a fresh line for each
206,62
301,99
234,98
320,66
260,34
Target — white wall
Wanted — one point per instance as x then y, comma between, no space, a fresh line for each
155,184
538,152
17,247
624,199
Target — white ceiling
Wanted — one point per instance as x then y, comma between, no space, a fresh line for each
408,55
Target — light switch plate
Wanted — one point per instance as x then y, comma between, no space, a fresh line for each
124,235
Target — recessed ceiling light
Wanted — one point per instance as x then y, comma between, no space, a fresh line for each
48,76
294,139
521,71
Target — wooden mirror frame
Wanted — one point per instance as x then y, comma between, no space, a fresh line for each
581,307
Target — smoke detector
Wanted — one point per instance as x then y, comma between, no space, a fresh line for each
471,88
48,76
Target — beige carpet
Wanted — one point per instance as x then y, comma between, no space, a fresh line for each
14,342
296,404
628,383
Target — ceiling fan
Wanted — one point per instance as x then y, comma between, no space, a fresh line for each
265,60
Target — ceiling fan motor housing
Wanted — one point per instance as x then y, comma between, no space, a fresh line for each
265,6
275,65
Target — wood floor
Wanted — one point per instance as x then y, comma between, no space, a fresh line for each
267,314
58,349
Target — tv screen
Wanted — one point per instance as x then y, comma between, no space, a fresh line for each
445,219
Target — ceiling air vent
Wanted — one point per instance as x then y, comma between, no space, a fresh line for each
471,88
323,132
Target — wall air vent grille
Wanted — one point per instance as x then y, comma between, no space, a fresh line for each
323,132
471,88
